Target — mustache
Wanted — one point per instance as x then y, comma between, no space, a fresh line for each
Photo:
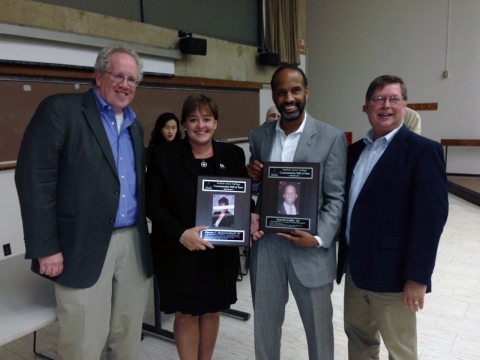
295,115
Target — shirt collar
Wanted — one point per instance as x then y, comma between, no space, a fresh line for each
300,128
101,103
368,139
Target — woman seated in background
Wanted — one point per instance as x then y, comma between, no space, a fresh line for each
167,128
196,280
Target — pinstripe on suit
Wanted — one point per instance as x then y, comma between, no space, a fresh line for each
275,262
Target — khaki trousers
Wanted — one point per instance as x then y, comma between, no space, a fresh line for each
367,315
111,311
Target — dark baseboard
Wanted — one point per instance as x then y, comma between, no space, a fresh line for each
463,192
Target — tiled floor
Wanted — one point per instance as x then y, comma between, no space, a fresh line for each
448,327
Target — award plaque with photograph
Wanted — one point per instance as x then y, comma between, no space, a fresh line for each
223,204
289,197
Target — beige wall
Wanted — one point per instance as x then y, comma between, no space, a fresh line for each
225,60
351,42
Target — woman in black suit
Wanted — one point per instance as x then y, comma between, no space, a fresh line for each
166,129
196,280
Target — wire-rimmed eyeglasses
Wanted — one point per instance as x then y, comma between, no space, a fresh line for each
119,78
383,99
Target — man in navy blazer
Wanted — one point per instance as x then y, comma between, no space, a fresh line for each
394,214
80,181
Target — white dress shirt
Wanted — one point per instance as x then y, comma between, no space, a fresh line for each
290,209
284,148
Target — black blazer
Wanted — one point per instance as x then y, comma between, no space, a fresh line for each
227,221
68,188
171,205
398,217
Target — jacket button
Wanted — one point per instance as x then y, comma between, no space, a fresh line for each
116,192
112,220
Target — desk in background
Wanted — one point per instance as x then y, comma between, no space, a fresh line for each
457,142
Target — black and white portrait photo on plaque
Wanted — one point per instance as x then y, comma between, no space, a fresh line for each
223,210
224,205
288,198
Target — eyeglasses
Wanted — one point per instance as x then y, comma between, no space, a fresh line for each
119,78
382,100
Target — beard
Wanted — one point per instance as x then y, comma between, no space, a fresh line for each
296,114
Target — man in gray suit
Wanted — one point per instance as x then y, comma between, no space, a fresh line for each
80,181
304,261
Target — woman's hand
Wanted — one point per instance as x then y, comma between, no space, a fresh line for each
192,241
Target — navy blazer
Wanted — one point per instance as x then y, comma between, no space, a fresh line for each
69,190
398,217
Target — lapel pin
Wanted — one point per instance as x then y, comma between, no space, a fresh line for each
222,166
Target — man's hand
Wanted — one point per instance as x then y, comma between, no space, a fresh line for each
255,227
255,171
192,241
414,295
300,238
51,265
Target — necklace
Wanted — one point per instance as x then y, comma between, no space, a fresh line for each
203,164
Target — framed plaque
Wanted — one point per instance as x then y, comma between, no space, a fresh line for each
223,204
289,197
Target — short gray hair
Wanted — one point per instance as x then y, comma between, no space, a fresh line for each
103,58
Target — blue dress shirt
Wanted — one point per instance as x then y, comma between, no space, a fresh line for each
124,155
367,160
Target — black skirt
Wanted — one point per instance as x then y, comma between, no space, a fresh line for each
209,294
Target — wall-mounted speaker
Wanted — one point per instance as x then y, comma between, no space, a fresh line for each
193,46
269,59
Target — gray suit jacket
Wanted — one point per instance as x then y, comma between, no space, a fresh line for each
324,144
68,188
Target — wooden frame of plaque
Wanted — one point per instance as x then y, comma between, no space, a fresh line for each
223,204
289,197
